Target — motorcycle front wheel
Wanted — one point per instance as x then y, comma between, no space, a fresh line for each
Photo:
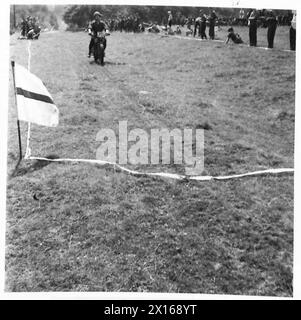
99,54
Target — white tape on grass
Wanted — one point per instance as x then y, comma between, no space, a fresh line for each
166,174
216,40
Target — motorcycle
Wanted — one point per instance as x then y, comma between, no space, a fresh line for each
34,33
98,48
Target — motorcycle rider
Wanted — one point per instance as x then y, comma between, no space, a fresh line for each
97,25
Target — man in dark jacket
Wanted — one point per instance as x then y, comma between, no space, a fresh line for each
252,23
169,19
200,24
212,19
272,26
96,26
293,33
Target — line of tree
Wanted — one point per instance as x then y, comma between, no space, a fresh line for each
77,16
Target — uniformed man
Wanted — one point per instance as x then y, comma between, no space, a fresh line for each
197,25
272,26
169,20
212,19
252,23
200,24
293,32
241,16
203,26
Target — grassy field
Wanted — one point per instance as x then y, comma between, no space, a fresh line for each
79,227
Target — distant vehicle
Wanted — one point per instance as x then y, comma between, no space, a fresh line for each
34,33
30,29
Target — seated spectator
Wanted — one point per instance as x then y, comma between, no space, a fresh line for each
178,30
153,28
235,37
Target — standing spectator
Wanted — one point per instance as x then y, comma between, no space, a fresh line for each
91,43
23,27
293,32
212,19
252,22
200,24
189,23
241,13
169,20
241,16
121,24
203,26
272,26
197,24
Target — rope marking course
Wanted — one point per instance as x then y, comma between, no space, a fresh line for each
242,44
168,175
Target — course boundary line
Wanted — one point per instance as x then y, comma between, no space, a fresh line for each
165,174
216,40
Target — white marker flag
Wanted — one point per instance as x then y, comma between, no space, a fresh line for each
34,102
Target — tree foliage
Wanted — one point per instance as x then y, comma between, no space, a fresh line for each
79,15
46,17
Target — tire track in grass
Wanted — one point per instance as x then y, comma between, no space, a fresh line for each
127,93
130,95
133,98
91,69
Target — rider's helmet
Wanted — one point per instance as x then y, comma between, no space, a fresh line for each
96,13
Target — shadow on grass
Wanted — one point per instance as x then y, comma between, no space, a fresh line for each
115,63
112,63
35,165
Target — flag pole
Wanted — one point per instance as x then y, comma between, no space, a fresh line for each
18,122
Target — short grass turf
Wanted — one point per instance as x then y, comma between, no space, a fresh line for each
81,227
